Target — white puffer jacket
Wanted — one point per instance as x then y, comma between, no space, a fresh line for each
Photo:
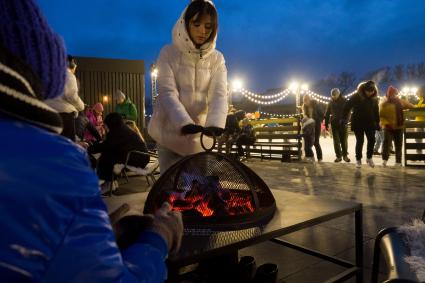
69,101
192,89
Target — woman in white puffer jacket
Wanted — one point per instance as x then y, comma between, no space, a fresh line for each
192,86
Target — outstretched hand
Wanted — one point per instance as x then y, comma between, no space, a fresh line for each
191,129
169,224
129,222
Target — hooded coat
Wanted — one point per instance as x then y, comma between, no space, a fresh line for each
69,101
127,109
192,89
365,111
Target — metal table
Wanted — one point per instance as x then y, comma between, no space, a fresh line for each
294,212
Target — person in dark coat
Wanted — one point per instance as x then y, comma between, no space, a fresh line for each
246,137
333,115
364,119
313,110
231,129
119,140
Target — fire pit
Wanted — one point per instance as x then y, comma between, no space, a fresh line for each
213,192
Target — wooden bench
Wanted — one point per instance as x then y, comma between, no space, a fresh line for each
282,142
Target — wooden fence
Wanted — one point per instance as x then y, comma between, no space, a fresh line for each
99,78
414,137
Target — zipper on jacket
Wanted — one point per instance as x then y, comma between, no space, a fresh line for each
196,74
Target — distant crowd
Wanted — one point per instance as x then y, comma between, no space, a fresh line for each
382,122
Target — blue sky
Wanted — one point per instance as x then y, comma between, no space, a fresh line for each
266,43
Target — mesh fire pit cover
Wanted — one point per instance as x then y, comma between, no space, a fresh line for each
213,192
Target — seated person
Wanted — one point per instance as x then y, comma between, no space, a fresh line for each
119,141
55,226
83,125
246,137
231,129
95,117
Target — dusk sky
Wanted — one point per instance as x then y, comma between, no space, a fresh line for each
266,43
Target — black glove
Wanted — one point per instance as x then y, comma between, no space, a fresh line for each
213,131
191,129
378,128
343,123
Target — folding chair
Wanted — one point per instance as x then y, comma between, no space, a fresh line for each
148,171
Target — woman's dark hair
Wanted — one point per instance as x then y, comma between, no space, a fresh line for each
199,8
114,121
367,86
71,62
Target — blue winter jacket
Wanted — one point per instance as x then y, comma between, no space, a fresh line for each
54,225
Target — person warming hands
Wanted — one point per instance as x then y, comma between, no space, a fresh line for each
192,86
55,226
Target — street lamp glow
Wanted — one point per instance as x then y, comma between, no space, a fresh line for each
294,86
405,89
414,90
304,87
154,72
237,85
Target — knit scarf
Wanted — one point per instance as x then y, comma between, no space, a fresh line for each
398,107
19,99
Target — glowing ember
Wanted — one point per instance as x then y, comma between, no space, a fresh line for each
211,200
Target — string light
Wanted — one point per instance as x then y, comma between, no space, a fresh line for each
277,97
278,115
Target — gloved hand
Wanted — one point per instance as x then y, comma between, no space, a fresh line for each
343,123
378,128
169,225
213,131
191,129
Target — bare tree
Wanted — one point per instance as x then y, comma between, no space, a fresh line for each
386,75
345,81
421,70
399,72
411,71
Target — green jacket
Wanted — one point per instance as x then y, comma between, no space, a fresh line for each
127,109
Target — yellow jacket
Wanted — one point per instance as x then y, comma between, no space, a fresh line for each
421,104
388,114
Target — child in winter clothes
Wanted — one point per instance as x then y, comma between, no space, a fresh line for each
192,86
308,129
95,117
392,121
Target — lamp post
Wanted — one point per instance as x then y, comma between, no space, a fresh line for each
298,89
154,76
408,92
235,86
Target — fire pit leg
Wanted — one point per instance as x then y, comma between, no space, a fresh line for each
220,268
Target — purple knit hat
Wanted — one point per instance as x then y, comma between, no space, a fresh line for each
25,32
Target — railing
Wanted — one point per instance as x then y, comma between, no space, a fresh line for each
414,137
279,142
